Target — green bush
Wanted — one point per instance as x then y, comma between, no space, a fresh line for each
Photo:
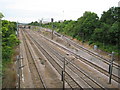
90,42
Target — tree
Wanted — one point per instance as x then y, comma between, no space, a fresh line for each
109,23
87,24
114,34
97,35
1,15
110,16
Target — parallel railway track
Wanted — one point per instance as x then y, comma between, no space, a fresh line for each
36,76
69,79
117,66
75,76
59,59
114,77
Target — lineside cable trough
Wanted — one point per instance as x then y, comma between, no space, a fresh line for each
18,58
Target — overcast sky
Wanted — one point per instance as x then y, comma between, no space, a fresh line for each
32,10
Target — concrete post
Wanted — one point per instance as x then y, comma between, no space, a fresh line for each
111,67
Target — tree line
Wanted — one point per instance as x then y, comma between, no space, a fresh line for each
103,31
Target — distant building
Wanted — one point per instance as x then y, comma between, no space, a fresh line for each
45,22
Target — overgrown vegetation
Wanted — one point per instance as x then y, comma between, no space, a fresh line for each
9,41
1,15
90,28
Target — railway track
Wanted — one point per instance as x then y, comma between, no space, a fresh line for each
69,79
71,64
74,69
36,76
99,68
114,77
117,66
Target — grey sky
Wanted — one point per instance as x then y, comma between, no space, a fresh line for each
32,10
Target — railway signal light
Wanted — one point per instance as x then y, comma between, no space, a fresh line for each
52,27
52,19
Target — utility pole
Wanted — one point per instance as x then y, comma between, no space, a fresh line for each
63,74
63,71
111,67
